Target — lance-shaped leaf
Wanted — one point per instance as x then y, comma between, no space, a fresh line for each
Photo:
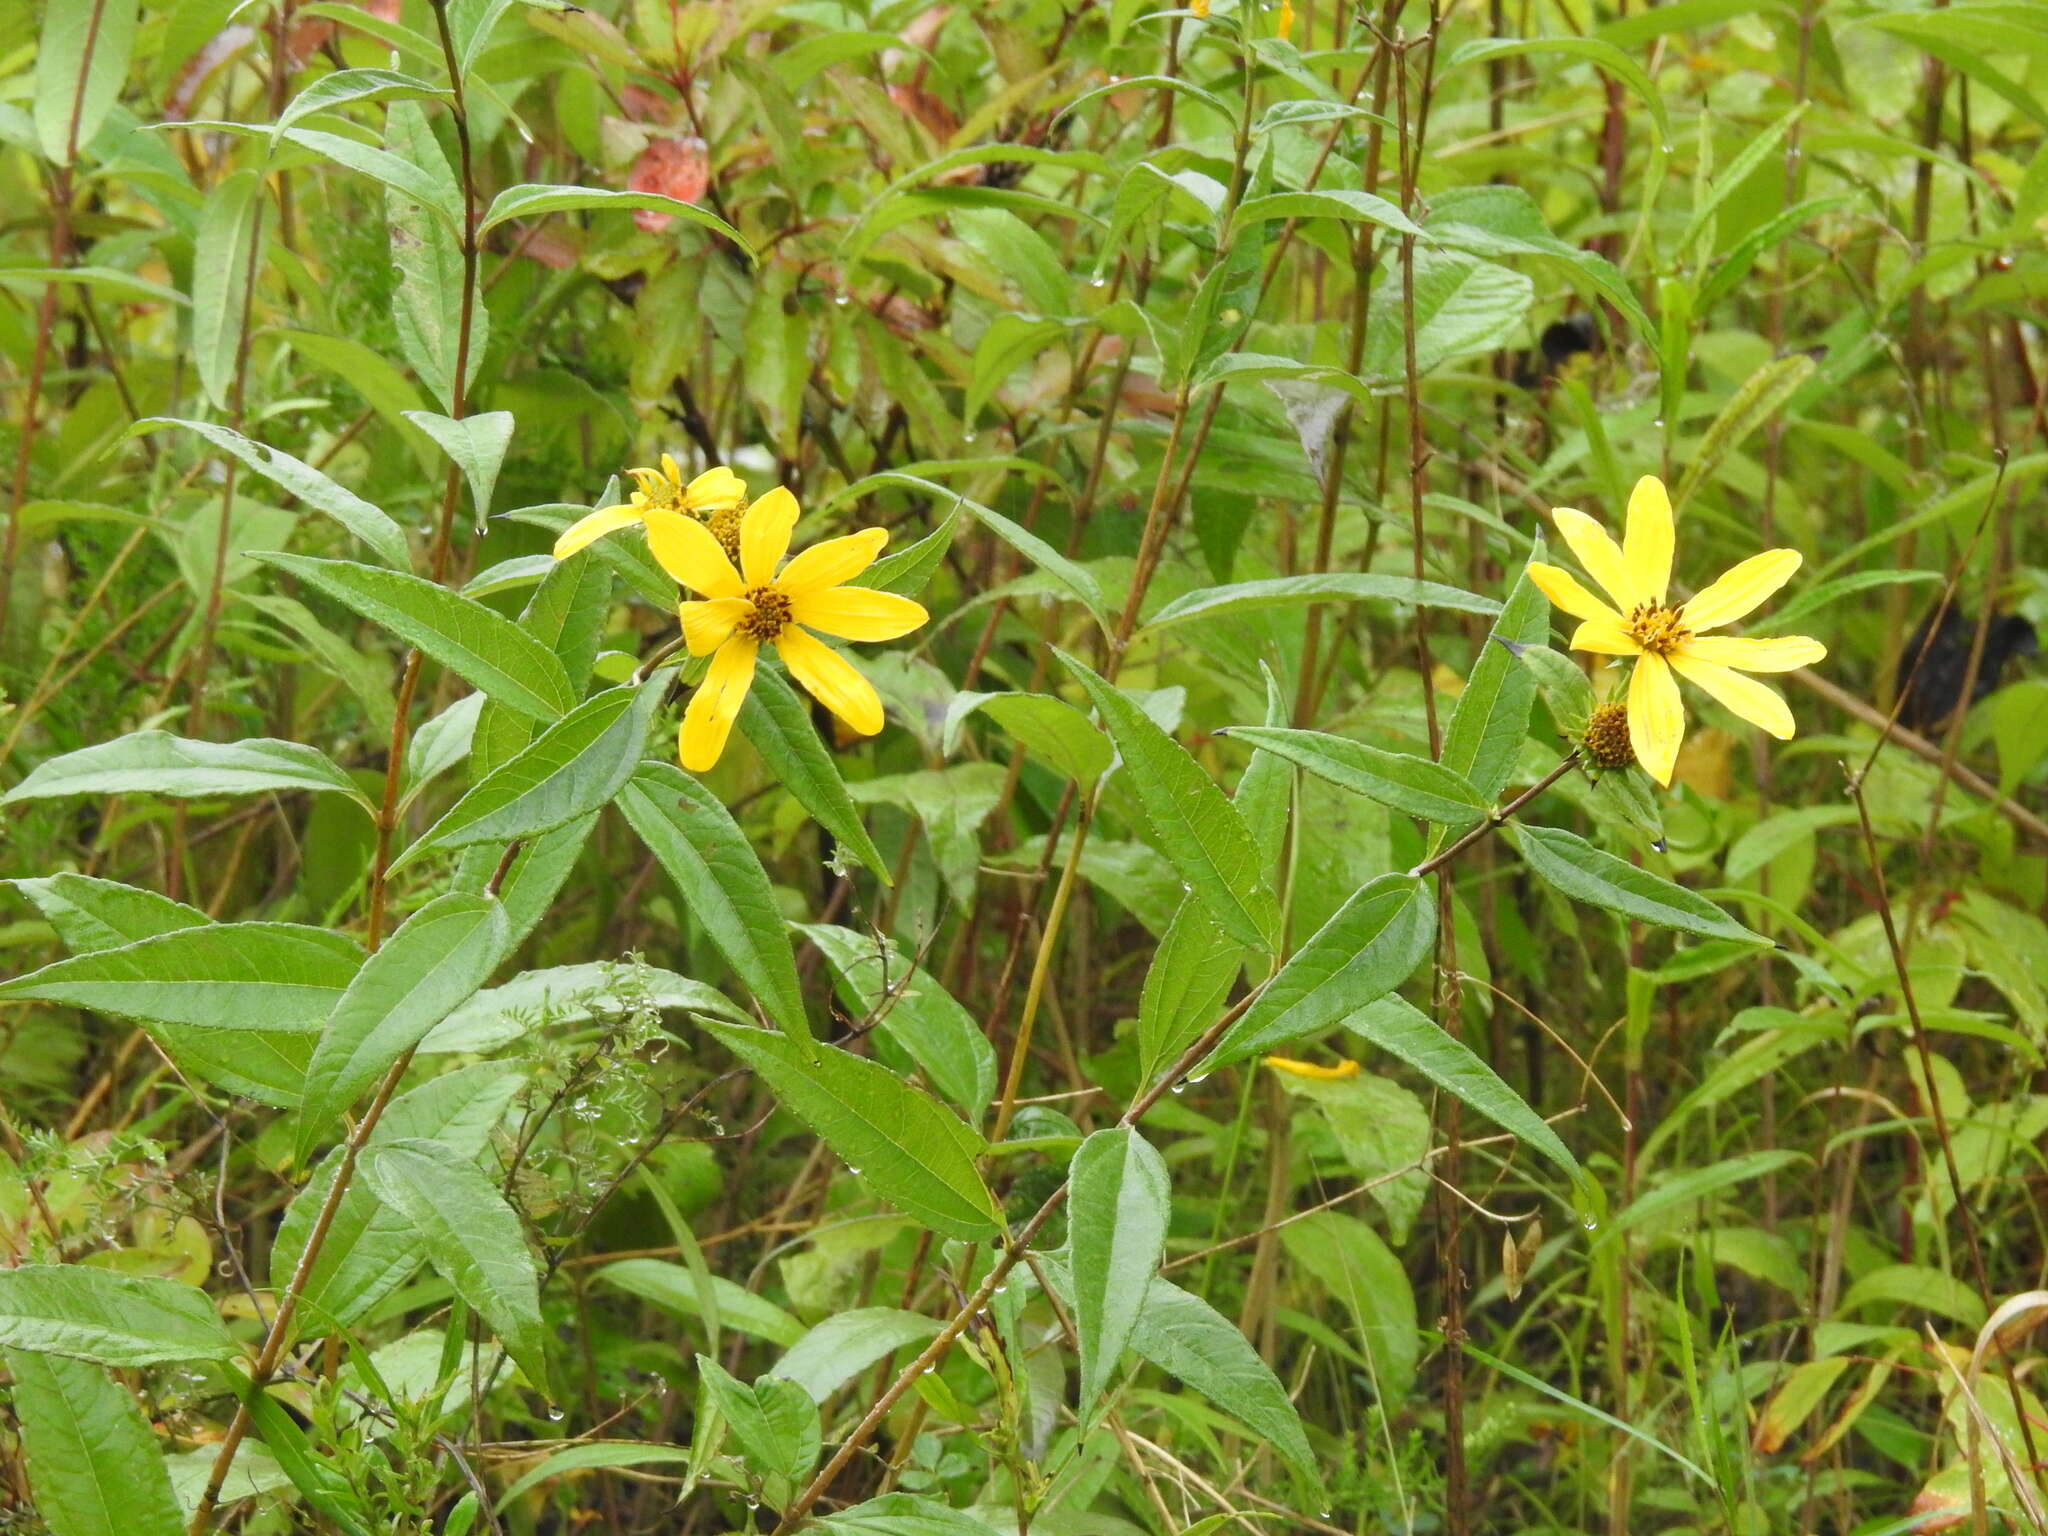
1299,591
1491,719
904,1145
1193,822
475,643
573,768
90,913
368,523
81,63
1412,785
220,976
1184,986
530,201
779,726
95,1314
1409,1035
1585,873
915,1013
477,444
1363,952
158,763
231,231
847,1343
693,836
93,1464
471,1237
1118,1201
434,962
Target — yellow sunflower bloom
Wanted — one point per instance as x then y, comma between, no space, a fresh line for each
1668,641
764,601
717,497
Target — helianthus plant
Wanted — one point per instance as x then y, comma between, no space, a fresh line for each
1669,640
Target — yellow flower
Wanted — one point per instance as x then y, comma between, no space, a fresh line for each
716,497
1314,1071
1285,25
1668,641
758,603
1200,8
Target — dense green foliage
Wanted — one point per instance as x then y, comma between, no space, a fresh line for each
1241,1047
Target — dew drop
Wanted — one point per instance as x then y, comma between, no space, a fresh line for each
555,1414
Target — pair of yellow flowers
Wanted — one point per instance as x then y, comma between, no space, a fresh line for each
707,536
711,540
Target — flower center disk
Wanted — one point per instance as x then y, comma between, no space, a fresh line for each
1657,630
770,616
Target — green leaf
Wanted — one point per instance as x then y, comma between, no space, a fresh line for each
775,1421
368,523
1195,826
714,867
1382,1129
434,962
1298,591
904,1514
1185,986
158,763
1183,1335
345,86
1920,1287
1755,403
438,196
472,1238
91,914
322,1485
574,767
1584,873
92,1461
1415,786
223,976
847,1343
904,1145
1350,207
911,569
428,307
1462,306
81,64
1369,947
530,201
1047,727
231,227
477,444
1501,220
1076,579
589,1456
1119,1196
914,1013
484,649
1355,1265
775,720
371,1250
673,1287
566,996
1483,740
94,1314
1407,1034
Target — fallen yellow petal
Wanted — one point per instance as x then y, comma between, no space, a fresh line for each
1312,1070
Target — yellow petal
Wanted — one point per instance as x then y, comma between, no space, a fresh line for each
764,535
1740,589
588,530
857,613
831,679
671,469
715,490
708,625
1600,555
1604,637
1783,654
1656,717
1314,1071
828,564
716,703
689,553
1563,589
1646,547
1742,695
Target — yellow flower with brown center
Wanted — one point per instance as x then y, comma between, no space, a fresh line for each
1669,640
765,602
717,498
